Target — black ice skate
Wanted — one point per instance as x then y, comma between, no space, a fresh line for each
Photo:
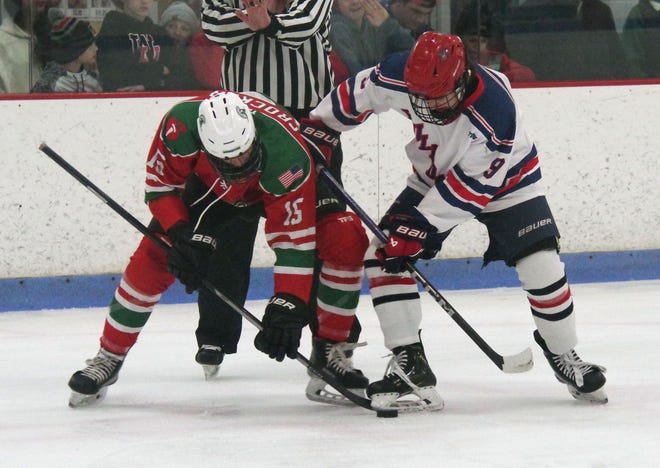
90,385
407,373
210,357
337,358
585,381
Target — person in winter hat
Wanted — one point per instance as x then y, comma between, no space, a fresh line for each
73,59
181,23
70,37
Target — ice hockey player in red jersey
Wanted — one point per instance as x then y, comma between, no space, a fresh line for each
471,158
216,164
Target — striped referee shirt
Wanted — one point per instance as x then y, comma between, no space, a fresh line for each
289,61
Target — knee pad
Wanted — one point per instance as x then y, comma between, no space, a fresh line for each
147,269
341,239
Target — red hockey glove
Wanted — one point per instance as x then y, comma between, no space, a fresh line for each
405,243
189,256
320,139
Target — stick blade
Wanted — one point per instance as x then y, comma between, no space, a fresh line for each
517,363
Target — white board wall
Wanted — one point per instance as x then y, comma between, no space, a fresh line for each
599,151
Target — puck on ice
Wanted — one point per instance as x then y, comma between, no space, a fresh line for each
387,414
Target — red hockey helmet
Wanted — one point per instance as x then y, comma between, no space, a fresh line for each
436,75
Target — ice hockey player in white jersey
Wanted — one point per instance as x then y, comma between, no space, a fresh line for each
471,158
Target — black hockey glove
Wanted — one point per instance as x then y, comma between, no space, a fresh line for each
409,239
189,256
320,139
283,321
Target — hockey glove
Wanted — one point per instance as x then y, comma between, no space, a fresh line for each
283,321
320,139
406,242
189,256
404,204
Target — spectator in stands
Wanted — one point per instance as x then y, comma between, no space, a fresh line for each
566,40
604,51
414,15
207,57
363,33
73,66
475,30
595,15
134,53
23,32
339,69
641,38
181,23
207,60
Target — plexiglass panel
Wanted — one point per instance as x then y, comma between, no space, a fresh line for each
528,40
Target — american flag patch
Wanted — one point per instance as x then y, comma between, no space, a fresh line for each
290,176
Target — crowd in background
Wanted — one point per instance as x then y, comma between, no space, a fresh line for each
43,50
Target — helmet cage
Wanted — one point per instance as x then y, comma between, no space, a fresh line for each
449,112
239,174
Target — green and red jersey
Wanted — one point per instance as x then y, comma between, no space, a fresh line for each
285,185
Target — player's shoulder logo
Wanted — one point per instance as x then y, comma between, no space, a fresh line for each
174,128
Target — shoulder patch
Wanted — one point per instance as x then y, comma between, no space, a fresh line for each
289,176
173,128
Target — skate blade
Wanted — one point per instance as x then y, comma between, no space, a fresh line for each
210,371
316,391
79,400
599,396
428,399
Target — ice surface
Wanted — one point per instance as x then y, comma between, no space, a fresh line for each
162,413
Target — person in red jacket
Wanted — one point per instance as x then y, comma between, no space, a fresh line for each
206,58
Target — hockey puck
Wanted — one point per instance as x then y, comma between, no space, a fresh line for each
387,414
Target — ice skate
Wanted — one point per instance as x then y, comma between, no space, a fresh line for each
584,380
336,358
90,385
210,357
407,373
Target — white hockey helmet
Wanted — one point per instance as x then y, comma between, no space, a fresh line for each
226,129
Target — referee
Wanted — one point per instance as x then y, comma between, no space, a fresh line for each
276,47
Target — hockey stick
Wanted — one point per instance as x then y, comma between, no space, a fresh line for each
512,364
321,373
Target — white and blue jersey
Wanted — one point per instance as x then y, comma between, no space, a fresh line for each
482,162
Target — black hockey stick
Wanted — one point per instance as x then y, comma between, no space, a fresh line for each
515,363
321,373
